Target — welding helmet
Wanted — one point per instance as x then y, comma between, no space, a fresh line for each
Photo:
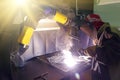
94,20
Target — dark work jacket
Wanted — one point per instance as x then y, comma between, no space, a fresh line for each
107,53
109,50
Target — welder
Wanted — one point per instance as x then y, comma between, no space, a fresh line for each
105,52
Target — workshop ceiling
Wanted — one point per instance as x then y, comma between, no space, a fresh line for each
81,4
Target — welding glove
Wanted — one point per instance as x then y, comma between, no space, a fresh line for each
90,51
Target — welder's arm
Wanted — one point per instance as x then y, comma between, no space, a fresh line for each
90,51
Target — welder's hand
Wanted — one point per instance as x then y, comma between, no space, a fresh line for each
90,51
81,51
84,52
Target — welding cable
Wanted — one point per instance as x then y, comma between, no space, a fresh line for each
42,76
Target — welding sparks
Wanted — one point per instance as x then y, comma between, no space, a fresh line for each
84,58
69,60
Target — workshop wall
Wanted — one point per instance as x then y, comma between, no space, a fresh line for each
81,4
108,10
